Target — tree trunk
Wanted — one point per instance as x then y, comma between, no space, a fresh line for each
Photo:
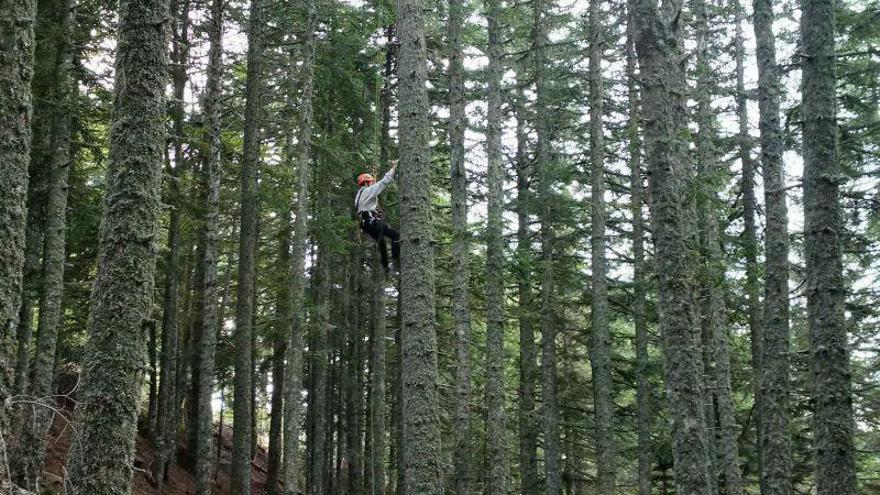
377,385
462,440
53,28
750,235
600,341
296,277
528,428
496,429
774,441
241,437
210,311
644,394
166,435
113,363
658,45
16,71
719,401
421,401
320,380
826,293
550,426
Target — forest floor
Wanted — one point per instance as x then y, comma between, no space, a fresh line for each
180,481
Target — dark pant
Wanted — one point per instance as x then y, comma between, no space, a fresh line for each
379,230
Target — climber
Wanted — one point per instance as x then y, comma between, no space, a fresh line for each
367,204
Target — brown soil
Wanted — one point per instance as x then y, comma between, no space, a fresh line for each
180,481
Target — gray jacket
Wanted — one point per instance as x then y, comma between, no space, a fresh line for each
367,198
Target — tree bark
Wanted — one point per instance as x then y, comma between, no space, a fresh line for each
54,52
833,422
461,430
296,277
210,312
421,401
377,393
770,355
644,393
600,341
497,482
17,20
658,46
719,402
528,427
243,361
121,298
166,434
550,428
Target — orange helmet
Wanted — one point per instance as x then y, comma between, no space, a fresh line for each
365,179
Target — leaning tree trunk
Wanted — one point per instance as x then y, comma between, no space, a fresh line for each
210,310
296,277
771,358
421,401
496,429
462,440
550,427
54,50
114,358
528,428
644,395
243,361
16,70
833,422
600,341
658,45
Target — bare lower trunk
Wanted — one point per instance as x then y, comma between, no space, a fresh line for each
115,355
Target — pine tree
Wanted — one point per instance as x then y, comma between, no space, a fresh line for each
296,277
831,379
644,393
244,308
210,312
114,355
17,20
600,337
462,440
550,428
421,401
496,437
166,432
54,54
772,356
528,428
658,46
